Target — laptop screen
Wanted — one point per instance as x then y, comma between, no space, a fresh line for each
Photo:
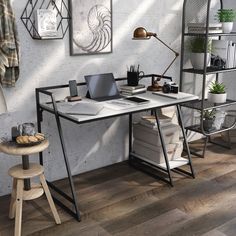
102,86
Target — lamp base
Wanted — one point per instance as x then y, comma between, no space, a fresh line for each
154,87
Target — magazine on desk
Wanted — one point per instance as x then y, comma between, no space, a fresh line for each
80,108
179,95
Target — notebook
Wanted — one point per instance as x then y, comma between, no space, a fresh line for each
179,95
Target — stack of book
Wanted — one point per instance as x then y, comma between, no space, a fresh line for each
200,28
132,90
150,121
225,51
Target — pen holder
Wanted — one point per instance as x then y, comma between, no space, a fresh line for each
132,78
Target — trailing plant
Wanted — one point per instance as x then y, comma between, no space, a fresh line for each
198,45
217,88
226,15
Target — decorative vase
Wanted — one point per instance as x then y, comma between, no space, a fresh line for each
197,60
227,27
219,119
217,98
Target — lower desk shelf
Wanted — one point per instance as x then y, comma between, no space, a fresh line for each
180,161
197,128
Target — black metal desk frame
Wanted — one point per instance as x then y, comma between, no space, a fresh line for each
133,160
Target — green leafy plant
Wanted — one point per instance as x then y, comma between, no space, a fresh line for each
217,88
209,114
198,45
226,15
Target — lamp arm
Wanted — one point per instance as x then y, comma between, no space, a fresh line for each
176,53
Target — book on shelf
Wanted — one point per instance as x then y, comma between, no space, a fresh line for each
131,88
216,25
201,28
150,121
203,31
45,23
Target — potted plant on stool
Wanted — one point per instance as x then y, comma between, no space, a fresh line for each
226,17
197,48
217,93
208,119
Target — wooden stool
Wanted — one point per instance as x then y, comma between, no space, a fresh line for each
22,174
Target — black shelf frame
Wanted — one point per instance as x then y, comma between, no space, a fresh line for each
197,105
211,34
209,71
62,12
203,104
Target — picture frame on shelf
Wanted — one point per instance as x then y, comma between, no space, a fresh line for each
90,27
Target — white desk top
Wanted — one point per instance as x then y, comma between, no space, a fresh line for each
156,101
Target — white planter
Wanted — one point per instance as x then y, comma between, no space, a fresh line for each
227,27
197,60
217,98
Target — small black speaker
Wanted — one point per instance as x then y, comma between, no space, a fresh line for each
73,88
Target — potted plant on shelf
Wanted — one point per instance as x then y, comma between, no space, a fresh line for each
197,48
208,119
217,93
227,18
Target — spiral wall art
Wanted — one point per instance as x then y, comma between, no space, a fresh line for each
91,27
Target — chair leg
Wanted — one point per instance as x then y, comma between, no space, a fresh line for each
19,202
12,209
50,200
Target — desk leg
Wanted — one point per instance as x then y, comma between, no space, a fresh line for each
185,141
163,148
70,178
130,135
25,165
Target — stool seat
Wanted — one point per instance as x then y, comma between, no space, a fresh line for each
22,174
13,148
33,171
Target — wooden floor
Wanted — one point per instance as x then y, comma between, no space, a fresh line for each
121,201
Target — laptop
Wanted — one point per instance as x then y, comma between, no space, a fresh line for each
102,87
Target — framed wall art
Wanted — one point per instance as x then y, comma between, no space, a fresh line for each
91,27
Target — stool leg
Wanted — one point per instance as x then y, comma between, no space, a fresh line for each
12,209
19,201
50,200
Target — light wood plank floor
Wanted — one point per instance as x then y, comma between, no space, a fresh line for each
119,200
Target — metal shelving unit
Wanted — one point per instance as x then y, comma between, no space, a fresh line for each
202,11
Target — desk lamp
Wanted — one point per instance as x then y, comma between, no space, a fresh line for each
141,33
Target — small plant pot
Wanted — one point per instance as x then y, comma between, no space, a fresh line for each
197,60
227,27
208,124
217,98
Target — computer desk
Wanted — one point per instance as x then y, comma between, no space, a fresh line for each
156,102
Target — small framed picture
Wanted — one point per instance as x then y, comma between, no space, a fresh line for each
91,27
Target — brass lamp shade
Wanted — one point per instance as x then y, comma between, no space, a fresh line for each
141,33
